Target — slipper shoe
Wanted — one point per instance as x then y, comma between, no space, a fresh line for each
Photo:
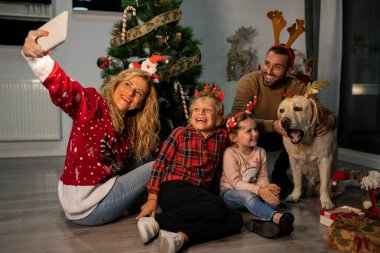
286,223
267,229
286,232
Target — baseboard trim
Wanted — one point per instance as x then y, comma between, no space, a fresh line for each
360,158
30,153
347,155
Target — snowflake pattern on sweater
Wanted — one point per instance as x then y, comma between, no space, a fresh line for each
95,151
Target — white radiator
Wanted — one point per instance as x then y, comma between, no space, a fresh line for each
27,113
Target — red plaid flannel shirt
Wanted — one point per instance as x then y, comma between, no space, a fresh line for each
186,155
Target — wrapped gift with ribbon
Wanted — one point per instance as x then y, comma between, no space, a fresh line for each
327,216
354,234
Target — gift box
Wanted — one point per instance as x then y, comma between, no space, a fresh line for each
354,234
327,216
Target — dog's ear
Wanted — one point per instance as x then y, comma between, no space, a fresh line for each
314,119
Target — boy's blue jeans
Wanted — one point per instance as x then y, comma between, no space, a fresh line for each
236,199
128,189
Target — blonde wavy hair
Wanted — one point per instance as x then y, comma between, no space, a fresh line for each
142,125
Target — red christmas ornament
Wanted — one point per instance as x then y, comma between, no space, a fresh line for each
103,62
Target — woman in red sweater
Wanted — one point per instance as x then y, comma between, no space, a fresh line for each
109,126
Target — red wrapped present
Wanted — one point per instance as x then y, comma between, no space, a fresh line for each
354,234
327,216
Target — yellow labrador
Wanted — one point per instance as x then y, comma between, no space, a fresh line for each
311,158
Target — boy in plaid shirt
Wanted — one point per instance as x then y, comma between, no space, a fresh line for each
187,166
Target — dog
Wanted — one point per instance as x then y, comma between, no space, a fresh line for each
312,158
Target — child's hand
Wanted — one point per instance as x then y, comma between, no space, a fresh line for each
268,196
148,209
31,49
275,189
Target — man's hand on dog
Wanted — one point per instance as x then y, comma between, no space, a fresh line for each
278,129
323,127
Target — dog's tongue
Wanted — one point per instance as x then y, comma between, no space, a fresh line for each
295,134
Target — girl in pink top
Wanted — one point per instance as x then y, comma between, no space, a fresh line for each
244,182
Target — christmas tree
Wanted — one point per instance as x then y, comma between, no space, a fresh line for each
150,27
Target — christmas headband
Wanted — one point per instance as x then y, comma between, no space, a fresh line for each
149,65
279,23
311,88
232,121
288,50
214,90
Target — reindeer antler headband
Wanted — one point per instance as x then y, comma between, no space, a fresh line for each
294,31
232,121
214,90
311,88
315,87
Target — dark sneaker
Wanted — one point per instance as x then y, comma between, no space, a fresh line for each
286,224
267,229
286,232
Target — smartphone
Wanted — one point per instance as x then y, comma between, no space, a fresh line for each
57,28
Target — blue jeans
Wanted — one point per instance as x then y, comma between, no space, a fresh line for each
128,189
235,199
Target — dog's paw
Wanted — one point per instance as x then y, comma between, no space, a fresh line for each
326,203
293,198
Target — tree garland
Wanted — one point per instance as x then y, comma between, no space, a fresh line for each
180,67
141,30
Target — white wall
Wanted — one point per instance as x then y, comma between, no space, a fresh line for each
88,38
215,20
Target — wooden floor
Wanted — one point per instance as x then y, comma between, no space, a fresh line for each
31,219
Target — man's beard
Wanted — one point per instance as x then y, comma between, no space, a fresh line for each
281,79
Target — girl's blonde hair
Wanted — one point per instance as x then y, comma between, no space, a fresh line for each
218,104
142,125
